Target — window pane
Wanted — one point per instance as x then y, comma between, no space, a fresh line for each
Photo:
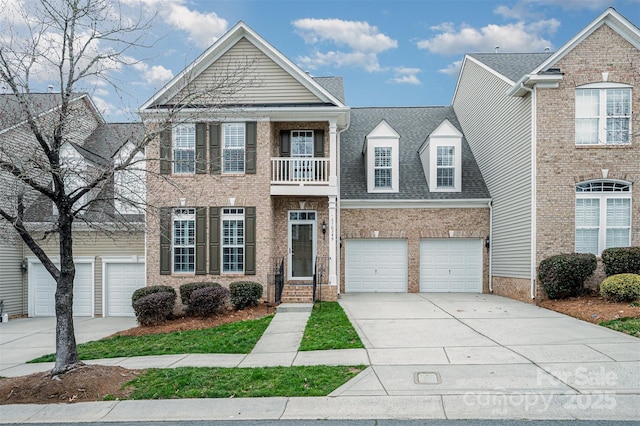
445,177
618,102
618,130
586,131
587,241
233,244
382,157
233,160
184,144
382,178
618,212
587,102
184,161
617,238
587,212
445,156
184,237
233,148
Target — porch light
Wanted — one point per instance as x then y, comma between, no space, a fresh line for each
24,265
324,227
487,242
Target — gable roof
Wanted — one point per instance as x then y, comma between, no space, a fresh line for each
414,125
224,44
511,65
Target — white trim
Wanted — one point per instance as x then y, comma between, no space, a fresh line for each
534,183
314,232
468,203
108,260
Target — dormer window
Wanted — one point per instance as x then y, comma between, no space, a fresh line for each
441,157
381,151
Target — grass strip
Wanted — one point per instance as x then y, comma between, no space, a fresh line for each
625,325
329,328
197,382
237,338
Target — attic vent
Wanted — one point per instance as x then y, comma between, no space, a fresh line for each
497,48
546,49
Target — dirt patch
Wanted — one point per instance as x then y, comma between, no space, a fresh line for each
95,382
592,308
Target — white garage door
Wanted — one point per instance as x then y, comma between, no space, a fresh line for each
451,265
42,290
376,265
122,279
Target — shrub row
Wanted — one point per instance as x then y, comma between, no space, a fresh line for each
564,275
621,288
154,308
621,260
245,293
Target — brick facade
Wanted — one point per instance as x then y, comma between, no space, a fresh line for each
415,224
560,163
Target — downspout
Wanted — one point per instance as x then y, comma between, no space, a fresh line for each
338,208
533,188
490,247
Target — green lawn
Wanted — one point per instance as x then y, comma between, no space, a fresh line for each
626,325
329,328
239,337
191,382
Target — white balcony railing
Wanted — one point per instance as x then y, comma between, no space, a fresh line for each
314,171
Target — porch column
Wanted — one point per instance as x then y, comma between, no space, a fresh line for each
333,153
333,255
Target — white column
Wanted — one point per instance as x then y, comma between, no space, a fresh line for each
333,252
333,153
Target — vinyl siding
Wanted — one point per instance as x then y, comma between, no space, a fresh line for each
11,290
498,129
264,82
98,245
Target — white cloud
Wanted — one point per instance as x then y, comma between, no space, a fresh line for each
406,75
515,37
155,75
361,42
530,9
452,69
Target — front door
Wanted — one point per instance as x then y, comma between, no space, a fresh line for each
302,244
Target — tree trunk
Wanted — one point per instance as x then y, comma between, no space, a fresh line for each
66,351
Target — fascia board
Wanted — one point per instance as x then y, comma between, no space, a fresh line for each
468,203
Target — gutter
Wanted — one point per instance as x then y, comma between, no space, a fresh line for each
490,247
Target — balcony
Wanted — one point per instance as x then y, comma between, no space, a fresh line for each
300,176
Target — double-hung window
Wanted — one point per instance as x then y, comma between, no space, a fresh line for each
184,148
184,240
603,115
603,216
382,167
233,148
233,236
445,167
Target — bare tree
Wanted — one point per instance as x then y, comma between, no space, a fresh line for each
79,43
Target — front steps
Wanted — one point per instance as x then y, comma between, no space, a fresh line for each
297,293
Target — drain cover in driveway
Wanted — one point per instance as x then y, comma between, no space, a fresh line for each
427,378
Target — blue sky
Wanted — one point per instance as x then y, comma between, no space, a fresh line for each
390,53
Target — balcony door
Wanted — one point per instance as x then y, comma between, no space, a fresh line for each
302,244
302,152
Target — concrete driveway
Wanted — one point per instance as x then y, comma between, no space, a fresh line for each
492,356
24,339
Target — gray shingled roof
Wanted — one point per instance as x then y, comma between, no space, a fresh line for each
413,124
11,112
107,139
512,65
333,85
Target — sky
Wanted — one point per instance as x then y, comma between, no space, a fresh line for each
390,53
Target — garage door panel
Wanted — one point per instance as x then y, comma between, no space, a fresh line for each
451,265
376,265
122,279
43,288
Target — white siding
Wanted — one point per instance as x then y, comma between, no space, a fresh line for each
263,82
498,129
11,290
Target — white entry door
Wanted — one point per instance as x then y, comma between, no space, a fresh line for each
42,291
302,244
451,265
121,280
376,265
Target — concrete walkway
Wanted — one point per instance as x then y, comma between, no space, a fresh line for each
431,356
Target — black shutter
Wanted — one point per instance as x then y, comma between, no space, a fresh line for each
214,149
251,147
201,148
318,143
165,152
250,241
214,240
165,240
285,143
201,240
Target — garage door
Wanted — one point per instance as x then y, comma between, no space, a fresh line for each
42,290
451,265
122,279
376,265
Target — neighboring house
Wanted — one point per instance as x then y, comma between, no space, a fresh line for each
108,236
414,209
556,136
246,178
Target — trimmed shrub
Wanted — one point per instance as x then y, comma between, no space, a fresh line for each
207,301
245,293
145,291
621,260
187,289
563,275
154,308
621,288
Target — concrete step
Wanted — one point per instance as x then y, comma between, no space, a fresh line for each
294,307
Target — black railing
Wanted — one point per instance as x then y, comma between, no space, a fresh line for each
320,276
275,281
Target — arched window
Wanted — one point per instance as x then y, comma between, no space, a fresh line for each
603,215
